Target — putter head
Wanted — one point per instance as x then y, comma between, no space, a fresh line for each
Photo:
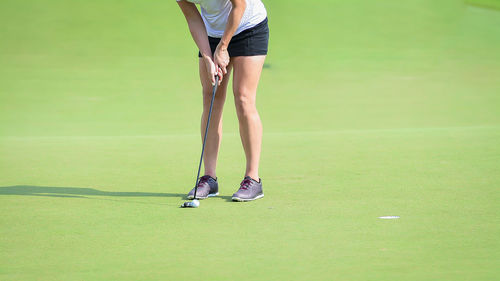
191,204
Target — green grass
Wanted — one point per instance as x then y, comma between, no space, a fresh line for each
492,4
369,109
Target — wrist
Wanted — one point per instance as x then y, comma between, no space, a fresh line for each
206,56
222,46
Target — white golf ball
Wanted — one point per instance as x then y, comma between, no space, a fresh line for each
195,203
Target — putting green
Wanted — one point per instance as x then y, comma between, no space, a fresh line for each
370,108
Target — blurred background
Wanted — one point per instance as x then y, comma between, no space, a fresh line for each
128,68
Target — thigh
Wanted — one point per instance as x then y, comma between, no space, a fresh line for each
246,74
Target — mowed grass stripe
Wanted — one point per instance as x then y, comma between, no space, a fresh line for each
326,132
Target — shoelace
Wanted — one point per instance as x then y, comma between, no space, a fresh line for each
203,180
245,184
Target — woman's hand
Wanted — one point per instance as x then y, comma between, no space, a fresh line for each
221,58
212,69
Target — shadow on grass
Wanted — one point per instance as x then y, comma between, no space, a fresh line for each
77,192
81,192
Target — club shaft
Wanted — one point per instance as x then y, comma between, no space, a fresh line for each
205,137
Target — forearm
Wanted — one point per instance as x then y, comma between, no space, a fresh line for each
233,22
196,27
200,37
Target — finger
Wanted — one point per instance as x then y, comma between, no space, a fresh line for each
212,74
224,70
219,73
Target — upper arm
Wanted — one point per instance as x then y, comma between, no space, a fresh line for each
188,9
239,3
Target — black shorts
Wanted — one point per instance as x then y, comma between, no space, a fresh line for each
249,42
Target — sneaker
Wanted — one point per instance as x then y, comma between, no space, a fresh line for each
249,190
207,187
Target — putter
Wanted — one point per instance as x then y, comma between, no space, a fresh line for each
195,203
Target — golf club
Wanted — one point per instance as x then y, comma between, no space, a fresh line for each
195,203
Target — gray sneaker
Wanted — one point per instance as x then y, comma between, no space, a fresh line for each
207,187
249,190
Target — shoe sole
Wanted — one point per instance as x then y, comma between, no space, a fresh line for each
201,198
237,199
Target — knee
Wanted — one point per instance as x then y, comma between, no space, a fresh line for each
207,97
244,101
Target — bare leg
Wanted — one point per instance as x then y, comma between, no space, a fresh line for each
247,72
214,136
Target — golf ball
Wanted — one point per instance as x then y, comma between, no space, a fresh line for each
195,203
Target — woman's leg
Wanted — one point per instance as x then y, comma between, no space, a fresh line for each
247,72
215,129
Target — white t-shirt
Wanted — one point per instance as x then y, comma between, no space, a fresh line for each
215,13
